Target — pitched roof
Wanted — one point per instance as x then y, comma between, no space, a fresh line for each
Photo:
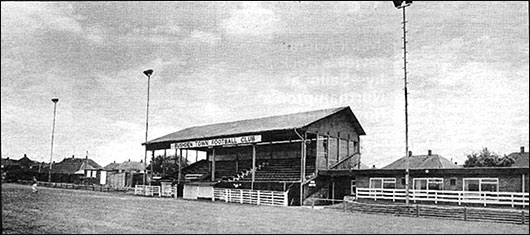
521,159
111,166
26,161
8,162
272,123
73,165
433,161
130,166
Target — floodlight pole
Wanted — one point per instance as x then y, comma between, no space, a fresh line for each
407,154
54,100
148,74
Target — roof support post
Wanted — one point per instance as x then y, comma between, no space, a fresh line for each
213,163
178,152
253,166
302,164
164,163
152,163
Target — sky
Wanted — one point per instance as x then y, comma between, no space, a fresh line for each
214,62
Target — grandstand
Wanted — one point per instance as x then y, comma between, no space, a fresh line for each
279,153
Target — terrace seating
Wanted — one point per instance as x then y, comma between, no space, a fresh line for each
276,170
270,170
224,170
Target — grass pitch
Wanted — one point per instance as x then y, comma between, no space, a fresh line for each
76,211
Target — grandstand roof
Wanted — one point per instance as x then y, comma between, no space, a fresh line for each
273,123
433,161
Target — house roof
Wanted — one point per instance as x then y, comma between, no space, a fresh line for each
433,161
26,161
521,159
73,165
272,123
111,166
130,166
8,162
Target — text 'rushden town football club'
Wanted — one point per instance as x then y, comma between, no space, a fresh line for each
218,142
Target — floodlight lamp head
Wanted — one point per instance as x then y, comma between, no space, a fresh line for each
148,72
401,4
55,100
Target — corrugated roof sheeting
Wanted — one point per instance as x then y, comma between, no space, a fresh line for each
280,122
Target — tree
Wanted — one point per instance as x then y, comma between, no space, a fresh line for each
166,165
485,158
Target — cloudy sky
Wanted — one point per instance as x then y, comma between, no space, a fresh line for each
226,61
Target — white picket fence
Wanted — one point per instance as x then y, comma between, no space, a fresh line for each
146,190
495,198
247,196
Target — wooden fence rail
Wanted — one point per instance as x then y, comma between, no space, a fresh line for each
459,197
91,187
442,212
513,216
147,190
247,196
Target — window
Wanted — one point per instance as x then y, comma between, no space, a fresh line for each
353,187
428,183
386,183
481,184
94,173
87,173
452,182
325,147
333,150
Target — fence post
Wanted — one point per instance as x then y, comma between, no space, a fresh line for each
258,197
435,197
241,194
417,210
512,200
522,217
465,214
313,203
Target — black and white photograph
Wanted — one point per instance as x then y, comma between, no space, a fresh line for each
265,117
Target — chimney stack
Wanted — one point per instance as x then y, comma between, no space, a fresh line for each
72,156
522,149
429,152
410,153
